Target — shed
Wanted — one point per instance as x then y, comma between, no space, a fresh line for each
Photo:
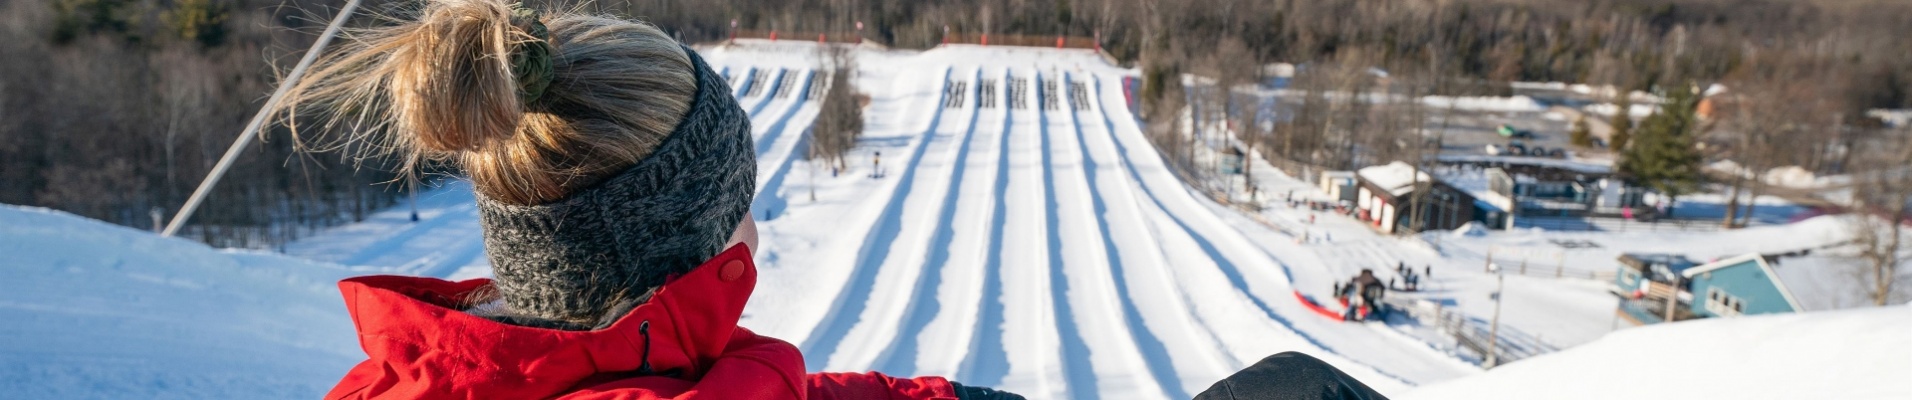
1386,199
1339,185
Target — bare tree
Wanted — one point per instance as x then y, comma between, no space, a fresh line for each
1882,198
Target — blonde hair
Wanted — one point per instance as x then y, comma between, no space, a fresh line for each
438,85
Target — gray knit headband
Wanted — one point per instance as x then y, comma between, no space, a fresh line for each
612,242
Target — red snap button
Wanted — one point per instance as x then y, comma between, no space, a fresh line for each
732,270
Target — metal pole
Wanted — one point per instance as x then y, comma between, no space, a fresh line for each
258,121
1493,335
414,195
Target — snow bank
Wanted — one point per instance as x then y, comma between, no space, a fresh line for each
1635,110
95,310
1493,104
1853,354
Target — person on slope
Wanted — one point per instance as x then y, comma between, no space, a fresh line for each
1362,291
614,175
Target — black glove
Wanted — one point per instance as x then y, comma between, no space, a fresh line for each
982,393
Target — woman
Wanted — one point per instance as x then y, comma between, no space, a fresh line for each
614,175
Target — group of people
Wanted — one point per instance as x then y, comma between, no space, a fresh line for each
1362,294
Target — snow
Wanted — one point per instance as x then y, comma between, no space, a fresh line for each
1490,104
1856,354
1824,282
95,310
1635,111
1047,251
1397,177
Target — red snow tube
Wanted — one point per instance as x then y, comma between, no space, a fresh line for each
1318,309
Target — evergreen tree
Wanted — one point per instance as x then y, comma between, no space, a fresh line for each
1663,156
1622,123
1580,134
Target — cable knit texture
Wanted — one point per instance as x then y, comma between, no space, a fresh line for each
610,243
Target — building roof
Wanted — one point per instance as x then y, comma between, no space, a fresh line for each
1810,282
1675,262
1397,178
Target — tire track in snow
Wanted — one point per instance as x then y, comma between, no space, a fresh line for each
823,341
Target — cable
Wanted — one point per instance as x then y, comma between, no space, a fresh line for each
258,121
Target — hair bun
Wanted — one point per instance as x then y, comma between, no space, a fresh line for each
531,57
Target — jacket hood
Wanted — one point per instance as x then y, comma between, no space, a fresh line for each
421,344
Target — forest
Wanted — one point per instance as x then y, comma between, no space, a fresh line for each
115,109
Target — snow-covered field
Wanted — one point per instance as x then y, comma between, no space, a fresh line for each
1037,244
1852,354
95,310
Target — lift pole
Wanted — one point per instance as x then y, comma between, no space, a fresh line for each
258,122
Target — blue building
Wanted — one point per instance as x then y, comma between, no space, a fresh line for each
1749,284
1738,286
1651,287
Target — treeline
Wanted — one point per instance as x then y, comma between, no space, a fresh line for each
1629,43
116,109
111,108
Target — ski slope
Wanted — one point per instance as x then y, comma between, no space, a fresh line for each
1003,222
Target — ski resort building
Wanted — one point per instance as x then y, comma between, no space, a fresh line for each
1748,284
1386,199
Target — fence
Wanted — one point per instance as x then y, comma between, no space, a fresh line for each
1610,224
1473,334
828,37
1554,266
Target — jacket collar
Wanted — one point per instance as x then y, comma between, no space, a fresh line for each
412,326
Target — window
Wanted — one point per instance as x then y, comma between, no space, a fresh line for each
1721,303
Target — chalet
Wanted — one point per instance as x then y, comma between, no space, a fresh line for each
1386,198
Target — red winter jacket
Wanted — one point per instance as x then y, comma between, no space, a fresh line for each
422,346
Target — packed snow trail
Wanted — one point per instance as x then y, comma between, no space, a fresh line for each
899,254
1029,336
776,148
1119,368
844,313
943,317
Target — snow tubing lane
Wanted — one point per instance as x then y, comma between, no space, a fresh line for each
1316,307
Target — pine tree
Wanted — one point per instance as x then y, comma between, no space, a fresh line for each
1622,123
1663,156
1580,134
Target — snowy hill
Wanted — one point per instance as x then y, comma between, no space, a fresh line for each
1854,354
95,310
1017,230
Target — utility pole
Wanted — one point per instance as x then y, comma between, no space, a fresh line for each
1493,333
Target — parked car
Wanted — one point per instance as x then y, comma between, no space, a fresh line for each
1510,131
